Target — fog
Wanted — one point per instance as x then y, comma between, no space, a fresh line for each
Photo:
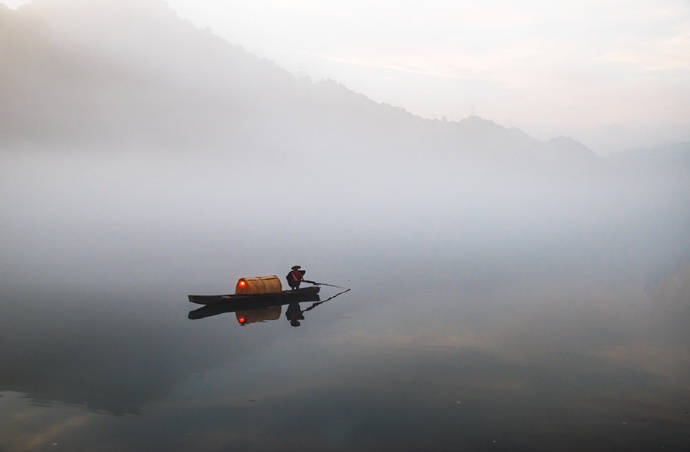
164,140
143,159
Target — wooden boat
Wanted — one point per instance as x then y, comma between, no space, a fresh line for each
211,310
282,297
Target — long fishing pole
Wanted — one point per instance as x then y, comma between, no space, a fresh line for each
323,284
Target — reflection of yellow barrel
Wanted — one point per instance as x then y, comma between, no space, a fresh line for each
258,285
258,315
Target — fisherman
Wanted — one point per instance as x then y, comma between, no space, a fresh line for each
295,277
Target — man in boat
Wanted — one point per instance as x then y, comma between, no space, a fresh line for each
295,277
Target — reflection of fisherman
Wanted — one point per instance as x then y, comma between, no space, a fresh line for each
294,314
295,277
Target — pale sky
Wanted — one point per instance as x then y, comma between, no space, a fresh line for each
612,74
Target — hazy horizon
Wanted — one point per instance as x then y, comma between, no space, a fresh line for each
612,76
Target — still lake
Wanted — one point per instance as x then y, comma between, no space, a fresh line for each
411,358
551,319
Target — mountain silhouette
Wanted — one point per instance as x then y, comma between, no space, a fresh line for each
115,73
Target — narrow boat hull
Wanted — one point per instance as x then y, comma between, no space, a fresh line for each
211,310
286,295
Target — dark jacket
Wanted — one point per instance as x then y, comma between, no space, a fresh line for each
293,280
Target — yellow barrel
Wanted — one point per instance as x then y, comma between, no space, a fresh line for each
258,285
258,315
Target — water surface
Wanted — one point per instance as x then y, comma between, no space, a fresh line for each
498,319
437,365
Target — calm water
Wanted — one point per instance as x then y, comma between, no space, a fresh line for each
463,360
501,322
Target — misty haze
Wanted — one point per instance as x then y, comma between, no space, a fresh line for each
508,292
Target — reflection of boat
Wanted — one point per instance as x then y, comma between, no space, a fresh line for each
247,303
245,317
259,308
283,297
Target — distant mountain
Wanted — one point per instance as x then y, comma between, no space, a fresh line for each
107,71
567,149
133,73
